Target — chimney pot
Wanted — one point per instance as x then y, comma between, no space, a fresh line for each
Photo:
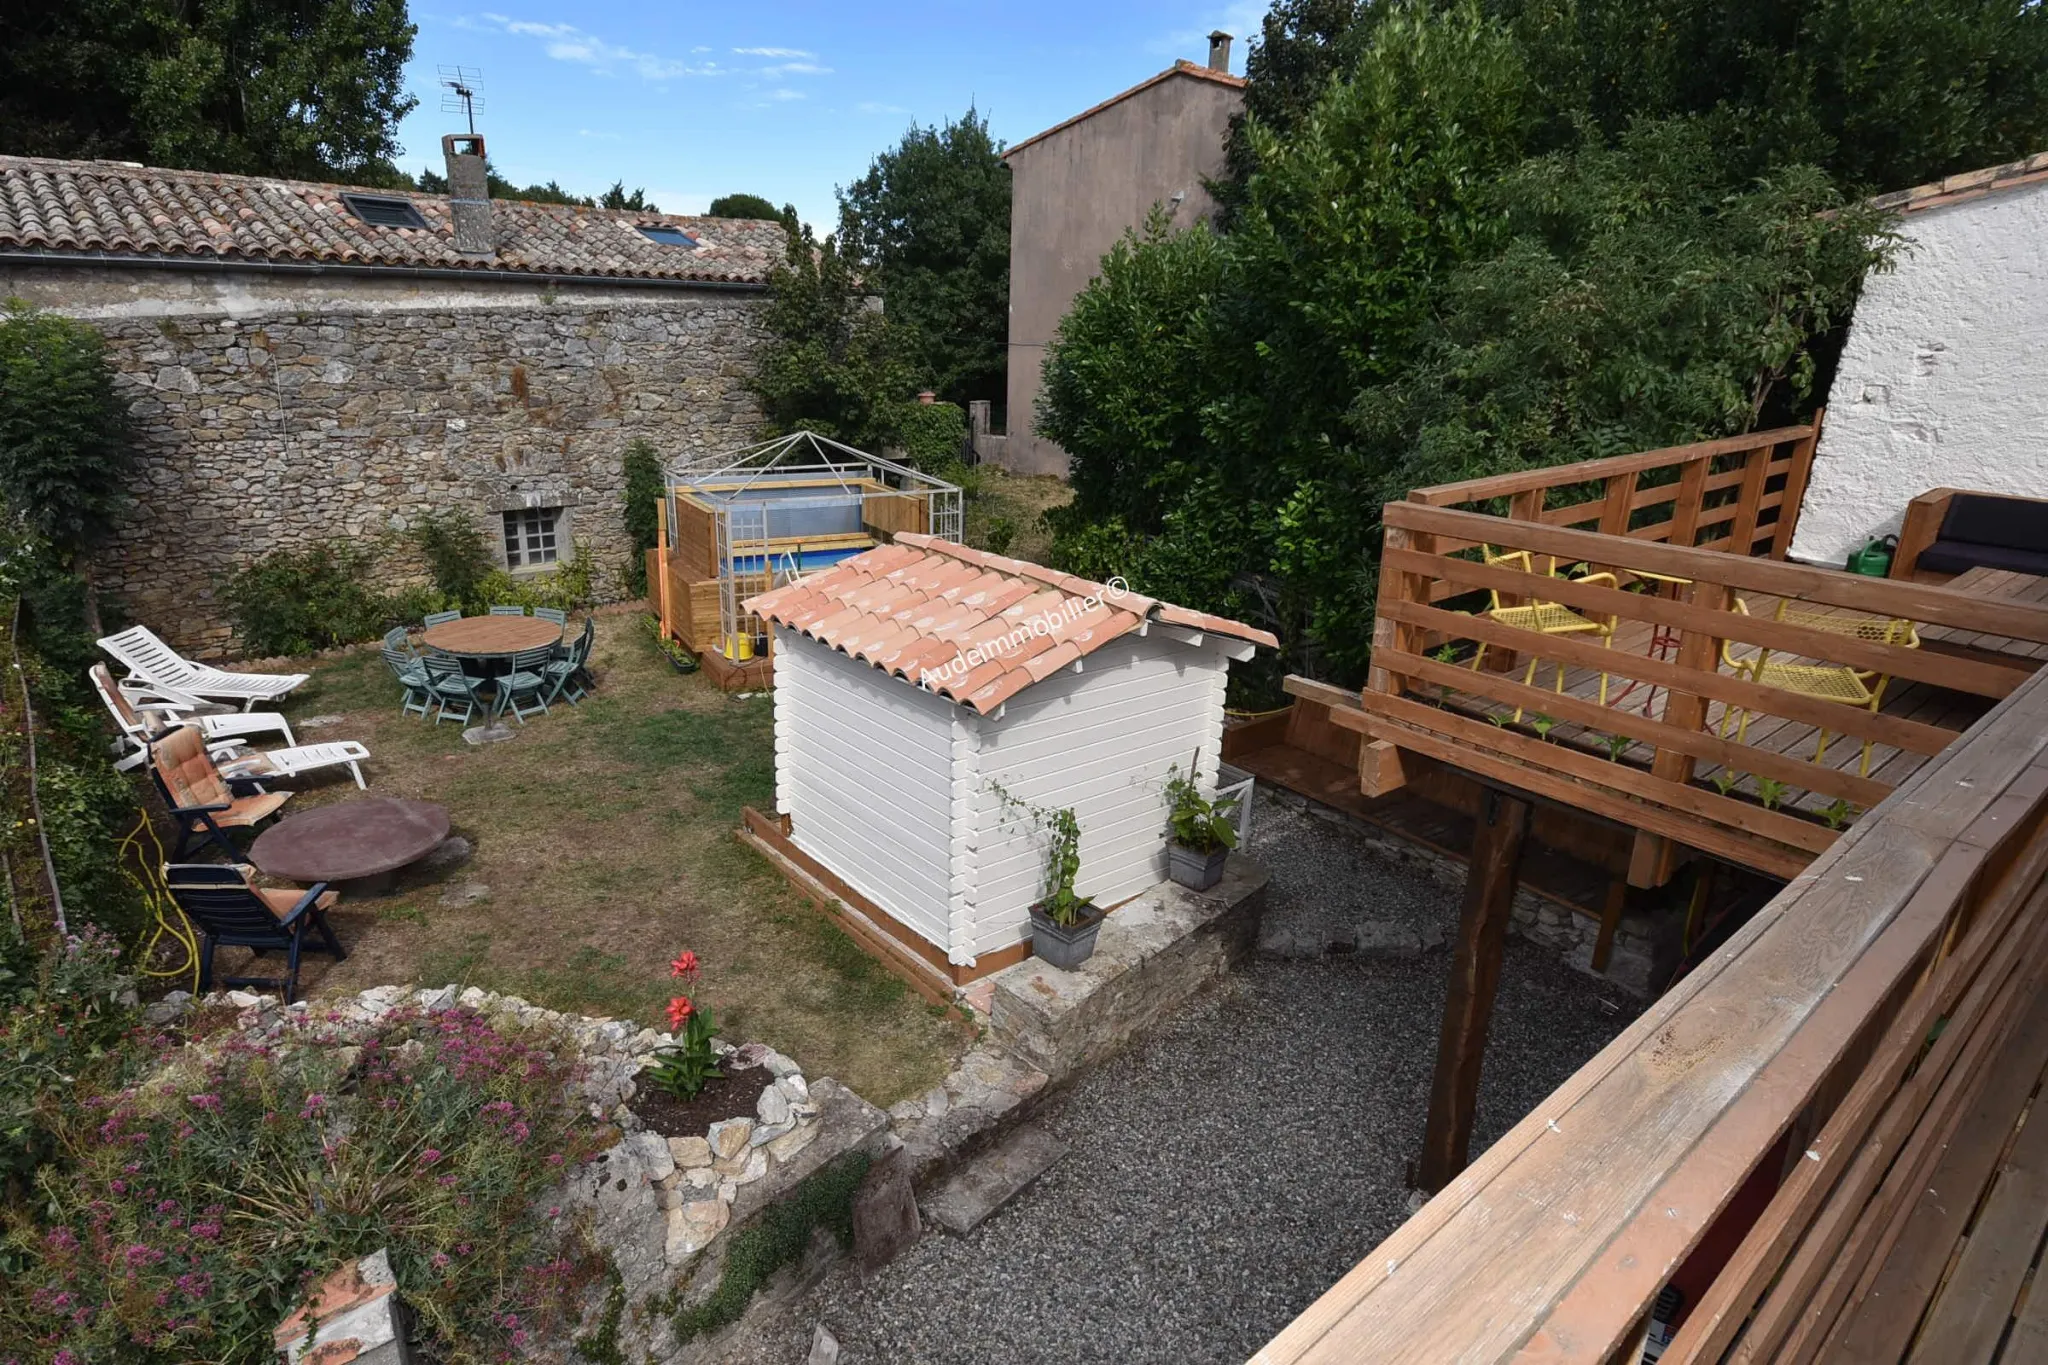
927,397
469,194
1219,51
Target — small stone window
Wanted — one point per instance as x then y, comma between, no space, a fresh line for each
530,539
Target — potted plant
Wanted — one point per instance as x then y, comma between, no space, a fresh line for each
679,658
1063,923
1203,832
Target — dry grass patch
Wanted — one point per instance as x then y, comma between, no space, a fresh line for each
604,833
1021,501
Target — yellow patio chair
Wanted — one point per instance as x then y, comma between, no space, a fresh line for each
1860,688
1544,618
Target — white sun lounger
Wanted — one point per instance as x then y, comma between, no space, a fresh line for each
162,670
143,717
292,762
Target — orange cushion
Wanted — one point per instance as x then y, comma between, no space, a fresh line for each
281,899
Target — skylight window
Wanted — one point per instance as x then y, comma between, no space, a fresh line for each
381,212
668,236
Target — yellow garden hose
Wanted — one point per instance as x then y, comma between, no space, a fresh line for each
170,920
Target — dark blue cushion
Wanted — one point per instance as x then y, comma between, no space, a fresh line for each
1956,556
2008,523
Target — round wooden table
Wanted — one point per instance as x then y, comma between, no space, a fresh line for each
485,644
362,841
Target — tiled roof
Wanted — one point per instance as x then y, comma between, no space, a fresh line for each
1179,68
123,209
966,617
1954,189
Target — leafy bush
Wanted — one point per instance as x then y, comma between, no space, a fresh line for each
195,1206
61,1014
297,601
932,436
644,489
65,436
832,364
457,553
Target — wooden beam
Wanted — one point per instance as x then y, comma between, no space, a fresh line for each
1475,975
1610,922
1379,768
1501,485
1792,498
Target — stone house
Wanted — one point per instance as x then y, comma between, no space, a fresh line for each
311,360
1077,187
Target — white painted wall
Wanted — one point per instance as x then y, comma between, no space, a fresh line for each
1944,380
1100,741
871,772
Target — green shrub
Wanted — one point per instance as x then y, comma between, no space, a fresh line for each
192,1207
65,436
933,436
824,1200
61,1017
644,488
297,601
458,554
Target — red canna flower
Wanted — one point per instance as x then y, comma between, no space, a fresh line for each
685,965
679,1011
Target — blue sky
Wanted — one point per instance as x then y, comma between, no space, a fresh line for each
784,100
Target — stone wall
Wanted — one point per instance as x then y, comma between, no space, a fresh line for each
275,411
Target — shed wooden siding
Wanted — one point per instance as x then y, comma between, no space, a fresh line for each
1101,742
871,771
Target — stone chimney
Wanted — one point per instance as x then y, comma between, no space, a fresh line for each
469,194
1219,51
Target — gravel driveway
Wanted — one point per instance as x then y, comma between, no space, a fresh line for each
1224,1173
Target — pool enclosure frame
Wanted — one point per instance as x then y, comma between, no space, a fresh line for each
747,491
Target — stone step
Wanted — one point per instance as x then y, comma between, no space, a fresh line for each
993,1179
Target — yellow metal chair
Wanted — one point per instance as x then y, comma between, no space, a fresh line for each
1860,688
1544,618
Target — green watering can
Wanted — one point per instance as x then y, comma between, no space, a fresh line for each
1875,558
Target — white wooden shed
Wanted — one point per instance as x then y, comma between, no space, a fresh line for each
921,683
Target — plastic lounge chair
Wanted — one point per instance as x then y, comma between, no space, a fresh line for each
226,909
1544,618
528,678
555,614
142,721
410,671
568,673
1860,688
204,801
435,618
508,611
450,685
156,666
275,763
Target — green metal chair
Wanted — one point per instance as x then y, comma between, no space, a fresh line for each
411,672
502,610
555,614
568,673
450,685
528,679
435,618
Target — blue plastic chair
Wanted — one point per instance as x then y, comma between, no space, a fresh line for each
508,611
555,614
226,909
450,686
435,618
411,673
569,671
528,678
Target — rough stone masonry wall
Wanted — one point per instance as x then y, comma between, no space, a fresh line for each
274,412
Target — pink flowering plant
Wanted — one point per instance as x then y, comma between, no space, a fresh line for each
680,1072
187,1214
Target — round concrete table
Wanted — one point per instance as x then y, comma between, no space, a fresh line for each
489,642
360,842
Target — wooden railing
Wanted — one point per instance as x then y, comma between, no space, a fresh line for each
1681,772
1764,1139
1740,495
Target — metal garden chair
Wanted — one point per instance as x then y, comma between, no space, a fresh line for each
528,678
568,672
1860,688
435,618
508,611
227,910
555,614
451,685
410,670
1544,618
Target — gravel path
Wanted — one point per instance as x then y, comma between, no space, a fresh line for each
1230,1169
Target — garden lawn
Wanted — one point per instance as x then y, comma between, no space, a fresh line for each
604,836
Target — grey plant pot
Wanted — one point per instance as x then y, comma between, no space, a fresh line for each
1062,947
1195,871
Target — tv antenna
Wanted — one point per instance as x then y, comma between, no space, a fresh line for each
459,93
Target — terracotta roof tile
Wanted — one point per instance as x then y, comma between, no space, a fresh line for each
948,617
1955,189
122,209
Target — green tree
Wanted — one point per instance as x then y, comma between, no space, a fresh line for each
832,363
306,88
642,496
743,206
617,198
66,442
929,228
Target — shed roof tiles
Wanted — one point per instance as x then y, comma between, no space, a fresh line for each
966,623
97,209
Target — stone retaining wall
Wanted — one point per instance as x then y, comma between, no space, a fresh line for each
276,412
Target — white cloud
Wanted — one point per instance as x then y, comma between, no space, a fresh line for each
600,136
774,52
873,107
567,43
796,69
785,94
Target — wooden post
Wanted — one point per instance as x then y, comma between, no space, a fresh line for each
1742,531
1654,858
1475,973
1796,476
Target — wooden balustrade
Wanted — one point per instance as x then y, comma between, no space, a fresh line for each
1822,1137
1771,807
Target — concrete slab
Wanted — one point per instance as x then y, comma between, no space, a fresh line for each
977,1190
